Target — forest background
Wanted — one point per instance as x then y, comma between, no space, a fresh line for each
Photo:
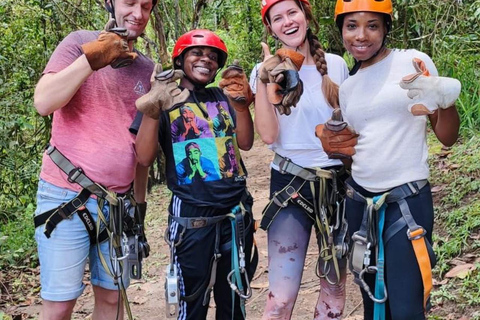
447,30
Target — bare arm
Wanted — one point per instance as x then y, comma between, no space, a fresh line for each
140,183
266,122
55,90
146,143
445,124
244,130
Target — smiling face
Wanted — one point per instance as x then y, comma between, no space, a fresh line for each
363,34
200,65
132,15
288,23
187,114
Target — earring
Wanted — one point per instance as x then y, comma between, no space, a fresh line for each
274,36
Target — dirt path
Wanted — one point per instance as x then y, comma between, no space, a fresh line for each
147,295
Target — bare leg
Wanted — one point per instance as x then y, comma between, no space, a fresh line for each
331,300
57,310
107,304
287,246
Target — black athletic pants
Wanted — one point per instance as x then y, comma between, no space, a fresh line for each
402,274
194,255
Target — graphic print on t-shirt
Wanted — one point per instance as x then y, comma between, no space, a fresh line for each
198,161
222,122
187,125
228,156
204,148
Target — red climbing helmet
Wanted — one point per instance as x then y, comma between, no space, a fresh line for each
200,38
267,4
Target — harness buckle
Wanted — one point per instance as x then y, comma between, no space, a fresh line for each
198,223
74,174
416,234
349,193
282,165
49,149
278,202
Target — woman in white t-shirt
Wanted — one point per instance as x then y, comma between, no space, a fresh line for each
306,186
389,203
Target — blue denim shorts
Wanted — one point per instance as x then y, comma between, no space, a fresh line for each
64,255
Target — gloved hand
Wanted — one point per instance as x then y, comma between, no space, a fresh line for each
108,47
287,88
429,92
163,94
236,87
280,73
338,139
141,213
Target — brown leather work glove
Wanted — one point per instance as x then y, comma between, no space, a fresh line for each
108,47
163,94
287,88
236,87
280,73
338,139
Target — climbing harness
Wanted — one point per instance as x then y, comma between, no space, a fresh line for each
325,211
124,229
371,236
236,277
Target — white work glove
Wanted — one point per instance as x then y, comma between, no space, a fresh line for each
429,92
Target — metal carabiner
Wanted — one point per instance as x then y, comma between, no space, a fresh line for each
371,269
234,287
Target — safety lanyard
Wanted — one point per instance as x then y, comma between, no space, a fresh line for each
379,308
234,278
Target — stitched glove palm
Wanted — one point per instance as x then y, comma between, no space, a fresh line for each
236,87
280,73
108,47
337,138
429,92
164,93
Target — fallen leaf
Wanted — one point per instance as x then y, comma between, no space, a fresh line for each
438,188
460,271
440,283
456,262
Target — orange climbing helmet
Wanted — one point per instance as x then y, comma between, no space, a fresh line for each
267,4
348,6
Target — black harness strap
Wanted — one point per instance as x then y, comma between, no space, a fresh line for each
281,199
53,217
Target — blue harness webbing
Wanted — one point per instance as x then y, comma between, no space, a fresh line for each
379,308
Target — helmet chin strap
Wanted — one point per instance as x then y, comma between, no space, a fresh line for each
111,9
358,63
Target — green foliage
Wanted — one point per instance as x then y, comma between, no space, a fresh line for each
457,218
30,31
17,244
